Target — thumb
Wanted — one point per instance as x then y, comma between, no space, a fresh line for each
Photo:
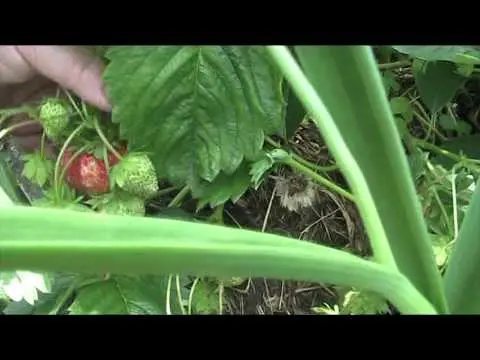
71,67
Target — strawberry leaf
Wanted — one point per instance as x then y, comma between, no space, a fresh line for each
205,299
121,295
437,83
200,110
37,168
263,165
224,188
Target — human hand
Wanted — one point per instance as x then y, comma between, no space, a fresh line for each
29,73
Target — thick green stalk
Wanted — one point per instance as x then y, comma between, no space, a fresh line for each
345,96
339,148
55,240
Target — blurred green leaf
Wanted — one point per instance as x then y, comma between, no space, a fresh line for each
441,248
401,106
417,161
467,145
465,69
295,113
462,283
447,122
389,82
463,127
458,54
437,84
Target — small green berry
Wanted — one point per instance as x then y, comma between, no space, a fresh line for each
136,175
53,115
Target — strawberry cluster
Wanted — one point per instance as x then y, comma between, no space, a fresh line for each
116,181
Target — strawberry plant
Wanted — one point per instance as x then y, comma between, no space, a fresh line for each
197,128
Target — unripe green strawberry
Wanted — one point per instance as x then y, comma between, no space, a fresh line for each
136,175
123,204
54,115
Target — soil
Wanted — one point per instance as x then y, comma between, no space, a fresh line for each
330,220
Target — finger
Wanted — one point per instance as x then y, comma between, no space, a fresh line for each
73,68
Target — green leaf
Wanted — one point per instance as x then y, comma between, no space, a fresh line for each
465,70
447,122
205,107
18,308
457,54
264,164
390,82
441,248
364,303
119,295
349,105
438,83
24,285
295,113
205,298
462,283
37,168
417,161
8,182
467,145
142,245
402,127
223,188
463,128
401,106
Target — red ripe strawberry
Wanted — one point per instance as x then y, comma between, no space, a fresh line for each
87,173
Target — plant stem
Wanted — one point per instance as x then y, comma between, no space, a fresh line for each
190,295
318,178
429,126
65,296
323,119
42,145
70,161
394,65
179,294
165,191
429,146
316,167
168,308
105,140
60,155
217,216
6,131
179,197
7,113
